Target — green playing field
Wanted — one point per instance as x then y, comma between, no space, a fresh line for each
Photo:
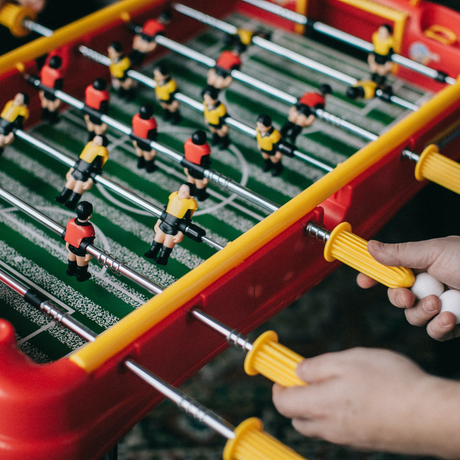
31,252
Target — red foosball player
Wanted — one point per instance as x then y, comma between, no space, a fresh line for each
198,152
13,116
144,41
268,142
97,100
215,114
119,67
181,207
380,59
78,234
302,114
52,77
145,129
220,76
164,91
80,176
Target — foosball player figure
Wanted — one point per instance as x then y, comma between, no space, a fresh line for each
51,76
119,67
79,233
198,152
144,41
302,114
97,100
80,176
367,89
215,114
13,116
181,207
164,91
268,142
380,59
220,76
145,128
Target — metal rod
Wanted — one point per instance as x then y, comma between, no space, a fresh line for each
106,182
183,401
320,233
350,39
38,28
233,337
226,184
102,257
284,52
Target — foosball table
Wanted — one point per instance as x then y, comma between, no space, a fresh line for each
262,235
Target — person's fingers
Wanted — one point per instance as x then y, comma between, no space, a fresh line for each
424,311
401,297
364,281
443,328
414,255
290,402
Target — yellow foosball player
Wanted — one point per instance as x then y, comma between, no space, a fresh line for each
80,176
13,116
164,92
181,207
379,60
120,64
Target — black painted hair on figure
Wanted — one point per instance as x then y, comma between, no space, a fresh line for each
199,137
117,46
84,210
265,120
146,111
55,62
100,84
191,187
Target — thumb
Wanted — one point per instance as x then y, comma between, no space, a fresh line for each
413,255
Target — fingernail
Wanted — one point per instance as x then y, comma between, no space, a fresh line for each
444,321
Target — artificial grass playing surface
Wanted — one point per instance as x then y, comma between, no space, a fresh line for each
32,251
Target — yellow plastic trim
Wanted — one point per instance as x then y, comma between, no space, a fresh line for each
301,8
273,360
251,443
94,354
77,30
397,17
12,16
352,250
438,168
441,34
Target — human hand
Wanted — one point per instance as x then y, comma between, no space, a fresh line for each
36,5
370,399
438,257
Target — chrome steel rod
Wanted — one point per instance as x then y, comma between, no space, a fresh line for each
233,337
284,52
182,400
227,184
350,39
38,28
102,257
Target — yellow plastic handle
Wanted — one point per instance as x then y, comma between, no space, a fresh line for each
438,168
352,250
11,16
273,360
251,443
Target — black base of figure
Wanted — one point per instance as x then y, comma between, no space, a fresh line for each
81,273
153,251
163,258
73,201
176,117
224,142
150,166
267,165
63,197
201,194
277,169
140,162
215,139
